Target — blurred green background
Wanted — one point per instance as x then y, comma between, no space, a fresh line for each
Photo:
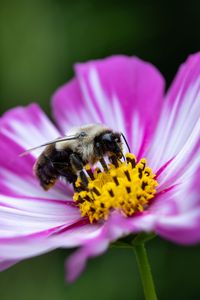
40,42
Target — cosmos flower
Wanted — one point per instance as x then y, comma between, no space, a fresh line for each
163,131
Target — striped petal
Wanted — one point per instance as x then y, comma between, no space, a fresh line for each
28,126
175,147
21,129
182,224
5,264
124,93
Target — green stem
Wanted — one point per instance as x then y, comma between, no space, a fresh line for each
145,271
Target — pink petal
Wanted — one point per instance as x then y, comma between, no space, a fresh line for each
21,247
177,139
28,126
21,129
28,226
14,250
182,224
77,234
69,106
182,229
24,234
5,264
124,93
22,216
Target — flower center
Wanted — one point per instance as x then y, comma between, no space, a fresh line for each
124,186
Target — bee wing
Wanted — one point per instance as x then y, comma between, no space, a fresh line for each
60,139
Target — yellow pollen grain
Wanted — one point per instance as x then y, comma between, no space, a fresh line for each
126,188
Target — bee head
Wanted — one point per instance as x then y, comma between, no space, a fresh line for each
109,142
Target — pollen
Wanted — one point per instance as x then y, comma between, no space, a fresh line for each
126,186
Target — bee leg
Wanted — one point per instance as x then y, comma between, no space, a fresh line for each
84,179
65,171
78,166
114,161
103,163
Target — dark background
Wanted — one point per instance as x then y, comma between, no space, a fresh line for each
40,42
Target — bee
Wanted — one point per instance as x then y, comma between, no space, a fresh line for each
67,156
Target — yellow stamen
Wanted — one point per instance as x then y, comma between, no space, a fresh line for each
127,188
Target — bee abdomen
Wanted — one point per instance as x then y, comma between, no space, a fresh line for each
45,172
45,175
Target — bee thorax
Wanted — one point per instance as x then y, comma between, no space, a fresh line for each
87,152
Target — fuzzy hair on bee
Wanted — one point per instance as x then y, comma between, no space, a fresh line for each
66,156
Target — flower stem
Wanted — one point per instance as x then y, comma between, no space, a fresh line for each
145,271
